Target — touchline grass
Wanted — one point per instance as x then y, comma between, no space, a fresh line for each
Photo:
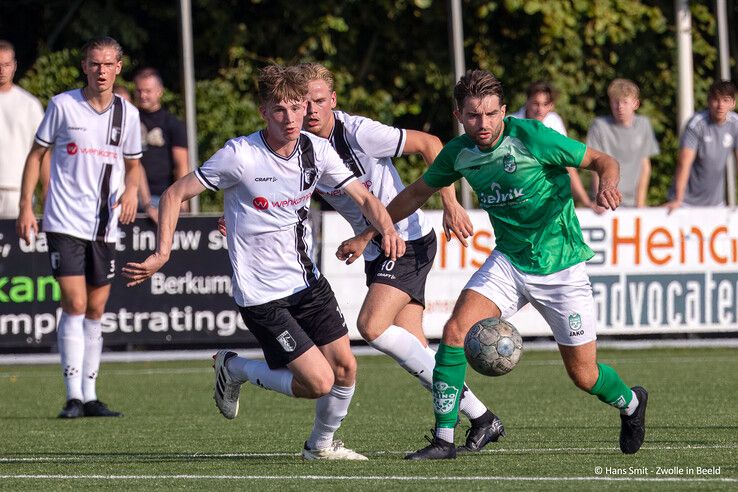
559,438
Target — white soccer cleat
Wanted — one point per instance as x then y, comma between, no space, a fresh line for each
227,390
336,451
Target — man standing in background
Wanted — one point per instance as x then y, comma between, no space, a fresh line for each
20,115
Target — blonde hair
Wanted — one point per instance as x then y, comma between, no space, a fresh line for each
316,71
620,88
277,83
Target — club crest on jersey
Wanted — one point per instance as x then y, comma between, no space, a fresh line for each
286,341
509,164
308,177
444,397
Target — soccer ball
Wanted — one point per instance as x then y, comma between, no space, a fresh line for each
493,347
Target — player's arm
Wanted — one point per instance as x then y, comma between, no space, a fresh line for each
128,201
26,225
180,161
643,181
608,172
392,244
681,177
455,219
144,195
578,191
169,207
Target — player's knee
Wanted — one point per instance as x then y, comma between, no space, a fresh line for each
94,313
454,333
583,377
368,330
345,372
75,306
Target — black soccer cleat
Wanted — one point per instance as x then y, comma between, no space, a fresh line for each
437,450
484,430
72,409
96,408
633,427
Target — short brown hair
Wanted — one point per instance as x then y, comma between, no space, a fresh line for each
477,83
102,42
278,83
147,72
316,71
722,88
541,87
623,88
7,46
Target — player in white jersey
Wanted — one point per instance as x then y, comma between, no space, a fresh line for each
268,178
391,318
96,138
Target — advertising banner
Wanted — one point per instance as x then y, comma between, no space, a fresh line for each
652,272
189,302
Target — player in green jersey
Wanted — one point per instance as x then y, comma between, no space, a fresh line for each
517,169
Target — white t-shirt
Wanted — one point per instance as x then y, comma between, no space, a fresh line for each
266,202
20,115
87,167
366,148
551,120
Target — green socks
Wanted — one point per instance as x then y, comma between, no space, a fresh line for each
448,383
609,388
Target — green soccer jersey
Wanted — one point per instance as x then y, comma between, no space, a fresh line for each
523,185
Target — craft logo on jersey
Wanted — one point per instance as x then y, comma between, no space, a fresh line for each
286,341
444,397
509,164
71,148
575,325
261,203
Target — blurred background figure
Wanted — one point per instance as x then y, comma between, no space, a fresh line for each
20,115
629,138
709,138
164,142
122,92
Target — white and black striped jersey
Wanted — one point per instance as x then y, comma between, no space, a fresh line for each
366,148
266,202
87,167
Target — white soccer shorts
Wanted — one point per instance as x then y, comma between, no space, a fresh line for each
564,298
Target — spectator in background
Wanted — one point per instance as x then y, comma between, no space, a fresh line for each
20,115
122,92
629,138
164,142
539,105
709,138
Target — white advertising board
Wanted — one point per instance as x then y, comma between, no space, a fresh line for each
652,272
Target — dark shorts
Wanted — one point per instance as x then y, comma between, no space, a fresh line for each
288,327
71,255
409,272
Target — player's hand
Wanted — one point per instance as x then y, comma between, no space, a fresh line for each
609,198
456,221
128,203
597,209
222,226
352,249
26,225
393,245
138,272
672,205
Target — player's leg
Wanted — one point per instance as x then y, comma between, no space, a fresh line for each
571,314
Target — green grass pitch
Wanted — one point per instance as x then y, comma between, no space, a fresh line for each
559,438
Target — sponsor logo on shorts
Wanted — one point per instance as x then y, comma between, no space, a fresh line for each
444,397
261,203
575,325
71,148
286,341
509,164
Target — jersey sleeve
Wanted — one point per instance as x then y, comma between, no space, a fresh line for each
379,140
442,173
50,125
132,138
594,136
652,145
223,170
179,132
335,174
691,136
548,146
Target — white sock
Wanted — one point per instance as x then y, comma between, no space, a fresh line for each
257,372
631,406
330,410
445,433
71,341
470,406
407,350
91,361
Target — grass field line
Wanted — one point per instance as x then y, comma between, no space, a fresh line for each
71,458
444,478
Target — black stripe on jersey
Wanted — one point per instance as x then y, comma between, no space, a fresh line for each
345,152
399,143
340,185
266,144
301,246
306,161
115,132
42,141
103,208
205,180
